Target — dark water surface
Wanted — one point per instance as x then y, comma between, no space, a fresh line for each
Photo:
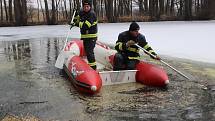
31,85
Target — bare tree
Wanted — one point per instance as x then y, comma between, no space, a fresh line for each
5,8
70,9
18,13
65,8
24,12
10,7
172,6
31,13
47,12
146,6
109,10
161,4
141,8
188,9
77,4
95,6
53,17
1,8
41,7
212,9
181,6
38,10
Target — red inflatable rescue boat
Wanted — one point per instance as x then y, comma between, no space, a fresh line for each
73,60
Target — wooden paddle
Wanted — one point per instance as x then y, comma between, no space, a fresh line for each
61,57
162,62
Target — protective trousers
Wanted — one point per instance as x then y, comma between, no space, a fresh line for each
89,45
121,62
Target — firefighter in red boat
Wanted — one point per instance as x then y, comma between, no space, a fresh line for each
86,20
127,55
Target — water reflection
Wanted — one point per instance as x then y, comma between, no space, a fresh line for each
40,51
45,48
26,55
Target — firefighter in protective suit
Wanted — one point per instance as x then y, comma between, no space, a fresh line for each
127,55
86,20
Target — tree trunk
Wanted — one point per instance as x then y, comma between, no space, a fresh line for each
197,6
95,7
57,12
18,13
131,9
41,7
53,18
120,8
24,12
167,7
151,8
1,8
188,9
161,4
157,12
5,8
172,7
146,6
127,7
102,11
47,12
70,9
77,5
109,10
180,8
212,9
116,13
38,11
10,7
65,8
141,10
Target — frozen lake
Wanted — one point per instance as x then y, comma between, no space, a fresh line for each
189,40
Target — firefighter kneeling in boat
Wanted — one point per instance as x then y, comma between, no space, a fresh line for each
127,55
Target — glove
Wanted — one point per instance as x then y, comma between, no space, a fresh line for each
72,25
130,42
155,57
75,19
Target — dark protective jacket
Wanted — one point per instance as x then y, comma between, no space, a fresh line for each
132,52
87,22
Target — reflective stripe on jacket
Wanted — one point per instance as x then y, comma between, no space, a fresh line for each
131,52
87,22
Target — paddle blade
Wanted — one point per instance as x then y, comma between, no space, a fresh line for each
60,60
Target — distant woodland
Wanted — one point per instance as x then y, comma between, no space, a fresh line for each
51,12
